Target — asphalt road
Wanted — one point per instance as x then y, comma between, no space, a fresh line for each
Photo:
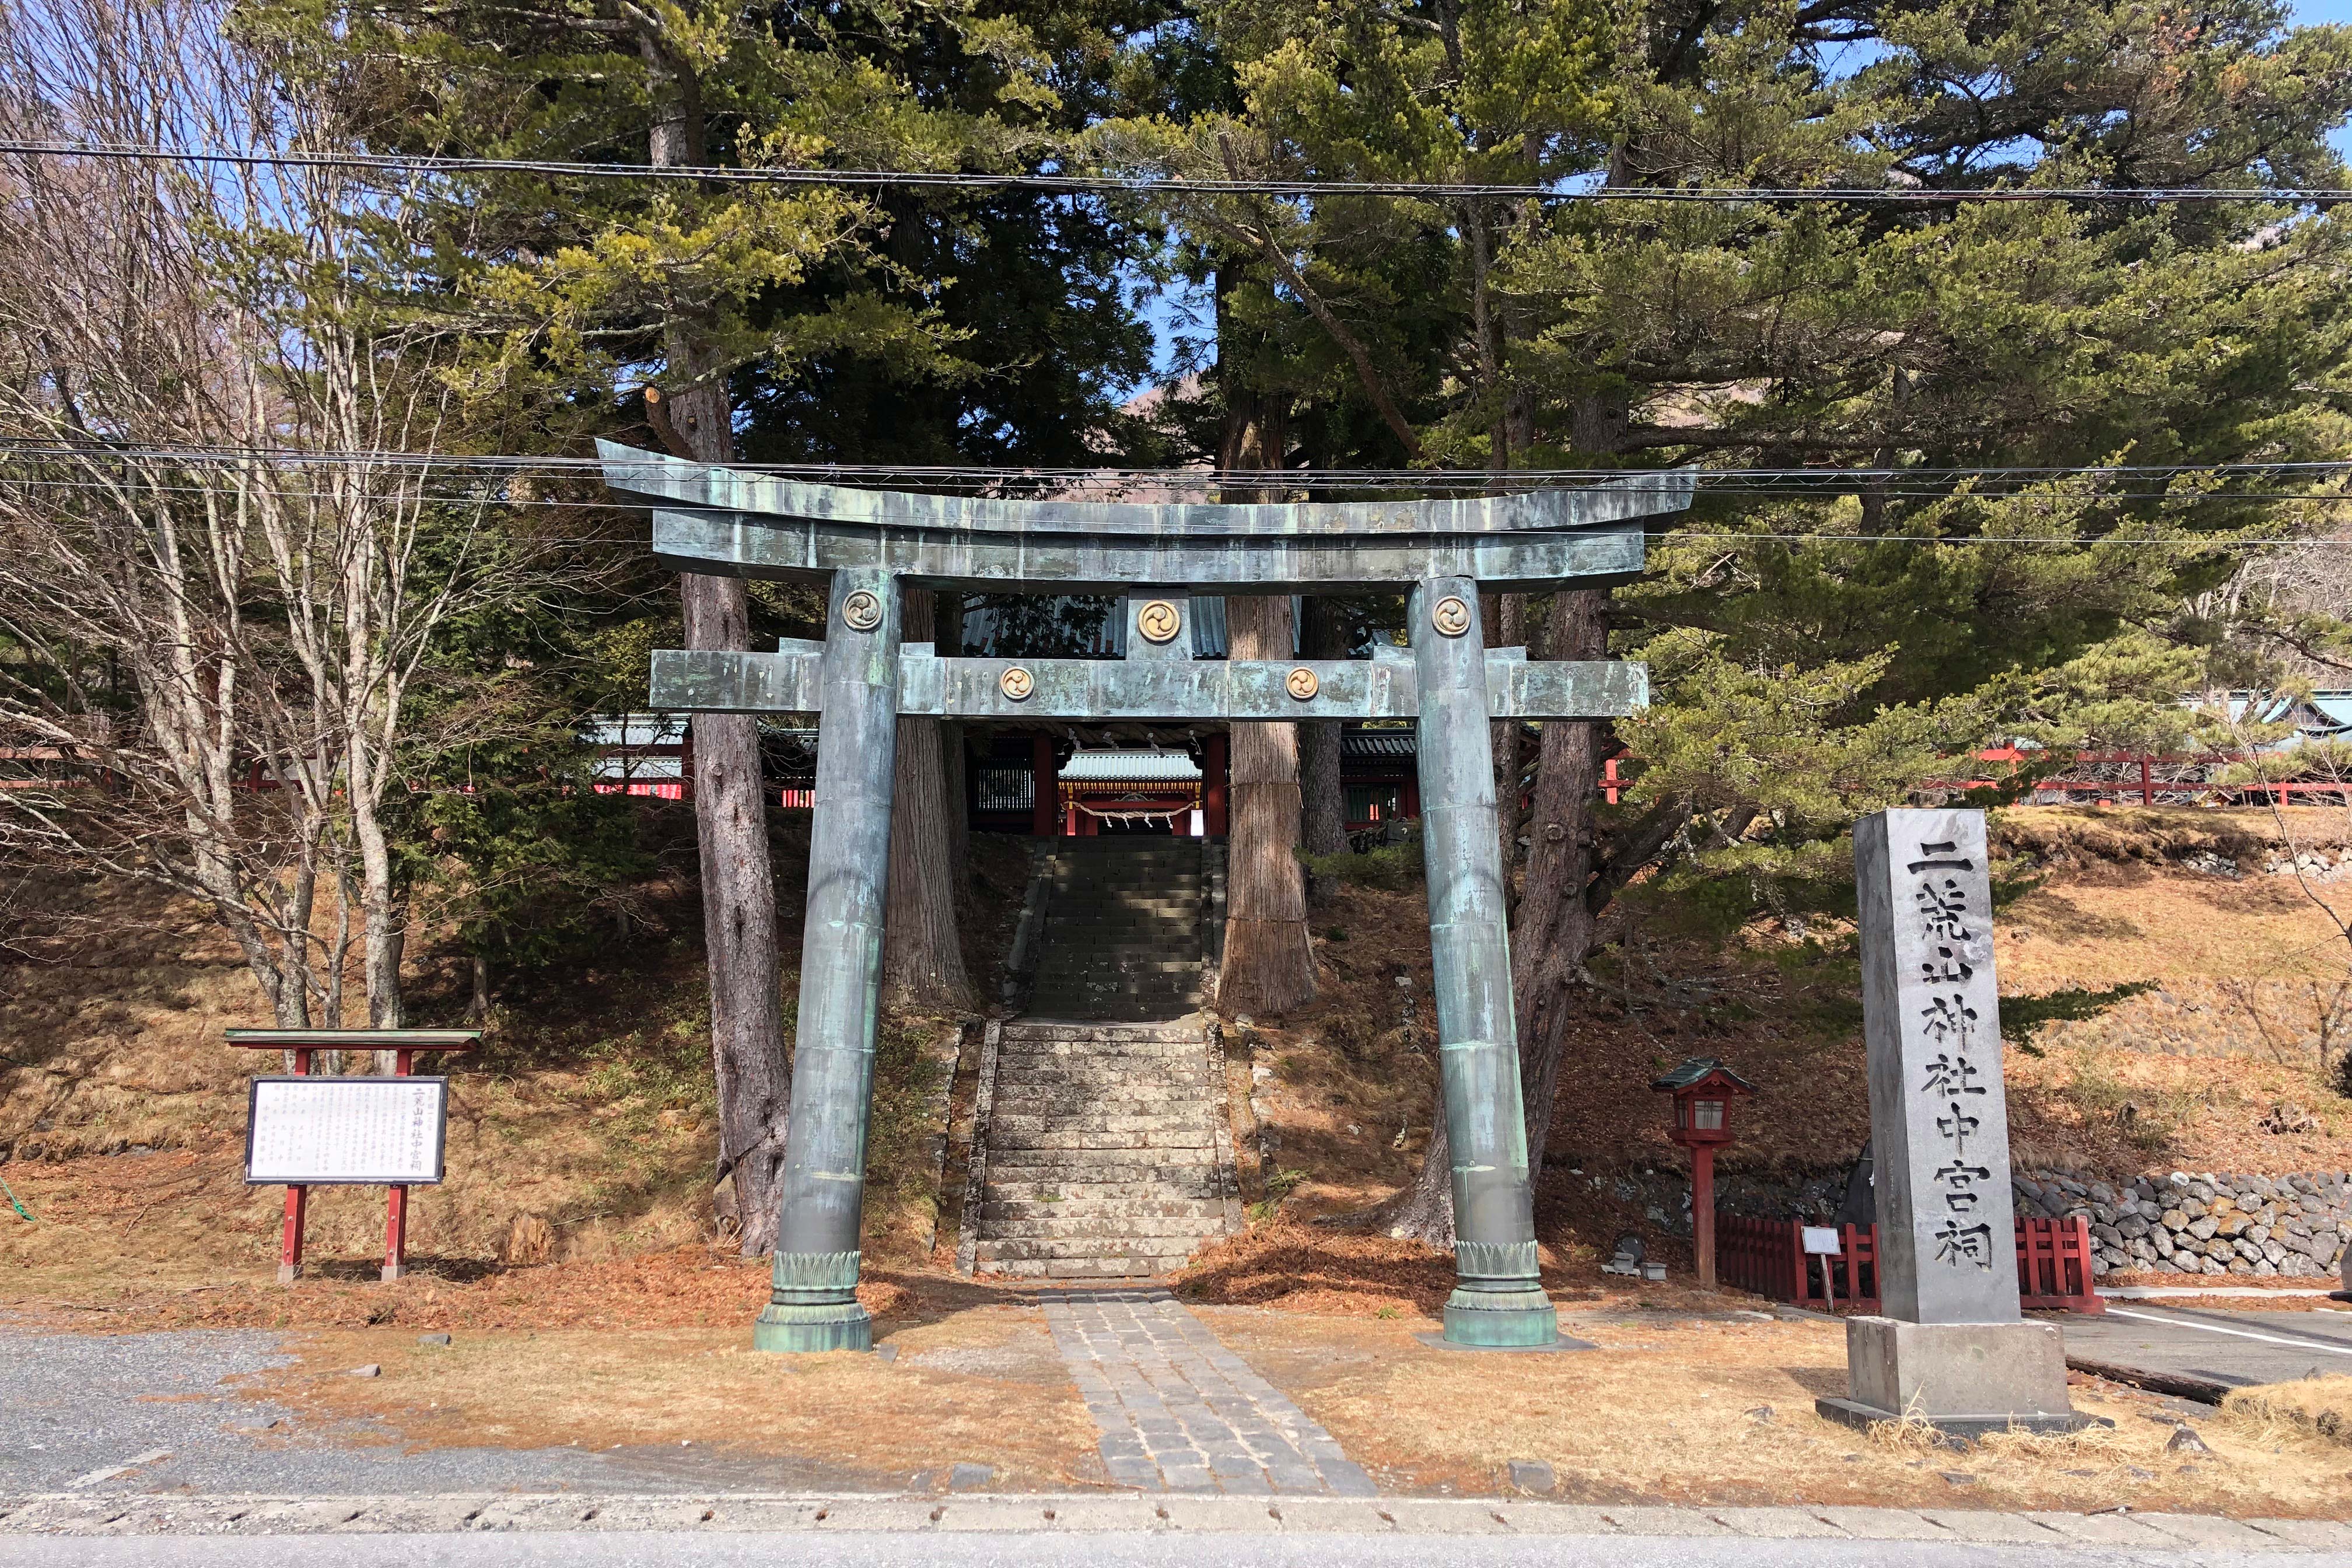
1046,1550
117,1413
2234,1350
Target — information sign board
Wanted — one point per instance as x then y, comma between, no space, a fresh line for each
1822,1240
346,1132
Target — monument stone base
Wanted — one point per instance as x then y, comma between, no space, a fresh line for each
1965,1380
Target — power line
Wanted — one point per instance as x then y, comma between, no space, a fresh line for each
1803,479
1658,535
1178,185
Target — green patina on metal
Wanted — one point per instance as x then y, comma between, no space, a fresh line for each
859,680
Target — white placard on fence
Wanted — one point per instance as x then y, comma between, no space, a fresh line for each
1822,1241
345,1131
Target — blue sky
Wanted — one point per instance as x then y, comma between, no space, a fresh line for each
2312,11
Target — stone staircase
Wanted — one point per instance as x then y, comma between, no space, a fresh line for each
1100,1150
1122,936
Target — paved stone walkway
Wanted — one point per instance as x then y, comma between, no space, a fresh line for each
1180,1412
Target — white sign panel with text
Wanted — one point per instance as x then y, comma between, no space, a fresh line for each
346,1132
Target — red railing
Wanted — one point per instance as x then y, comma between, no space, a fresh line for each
1769,1256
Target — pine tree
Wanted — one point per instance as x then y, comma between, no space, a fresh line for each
1813,656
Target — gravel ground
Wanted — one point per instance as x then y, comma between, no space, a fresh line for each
152,1412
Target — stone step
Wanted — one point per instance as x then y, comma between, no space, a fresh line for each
1047,1199
1087,1269
1104,947
1135,1181
1060,989
1130,845
997,1211
1019,1129
1062,1077
1052,1091
1032,1031
1184,854
1061,1050
1150,988
1081,972
1076,1171
1110,1096
1174,901
1139,1011
1043,1249
1079,1139
1141,1229
1054,1073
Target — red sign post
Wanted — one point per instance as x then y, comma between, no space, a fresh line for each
404,1044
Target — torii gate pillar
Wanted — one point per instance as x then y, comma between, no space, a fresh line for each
1497,1301
814,1305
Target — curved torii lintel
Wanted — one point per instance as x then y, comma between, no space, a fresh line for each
729,522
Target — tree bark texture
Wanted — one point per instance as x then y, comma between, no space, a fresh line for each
1323,796
949,614
923,959
1268,968
1423,1212
739,922
1552,935
731,815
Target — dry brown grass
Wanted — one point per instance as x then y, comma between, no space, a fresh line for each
2310,1407
586,1118
984,1386
1666,1410
692,1287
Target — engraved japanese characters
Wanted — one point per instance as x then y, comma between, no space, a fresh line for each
1938,1109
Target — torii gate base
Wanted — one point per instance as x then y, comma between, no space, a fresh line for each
860,681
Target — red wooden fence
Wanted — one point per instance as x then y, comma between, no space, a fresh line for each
1767,1256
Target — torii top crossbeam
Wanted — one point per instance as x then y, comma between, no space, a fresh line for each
869,544
726,520
756,525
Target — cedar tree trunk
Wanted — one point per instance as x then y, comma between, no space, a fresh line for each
1268,968
731,815
1323,797
923,961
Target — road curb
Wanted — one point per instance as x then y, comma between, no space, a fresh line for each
63,1513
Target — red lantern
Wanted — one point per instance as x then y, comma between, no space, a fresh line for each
1704,1090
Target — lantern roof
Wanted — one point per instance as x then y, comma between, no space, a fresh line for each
1696,1070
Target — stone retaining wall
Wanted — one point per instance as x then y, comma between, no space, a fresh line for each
2264,1226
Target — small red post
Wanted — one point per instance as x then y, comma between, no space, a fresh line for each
396,1206
298,1202
1703,1211
1608,774
2147,784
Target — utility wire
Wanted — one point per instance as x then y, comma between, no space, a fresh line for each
486,496
1176,186
1657,534
1735,479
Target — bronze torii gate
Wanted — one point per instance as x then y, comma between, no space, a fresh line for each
859,680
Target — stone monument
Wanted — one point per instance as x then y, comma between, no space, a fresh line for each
1952,1348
